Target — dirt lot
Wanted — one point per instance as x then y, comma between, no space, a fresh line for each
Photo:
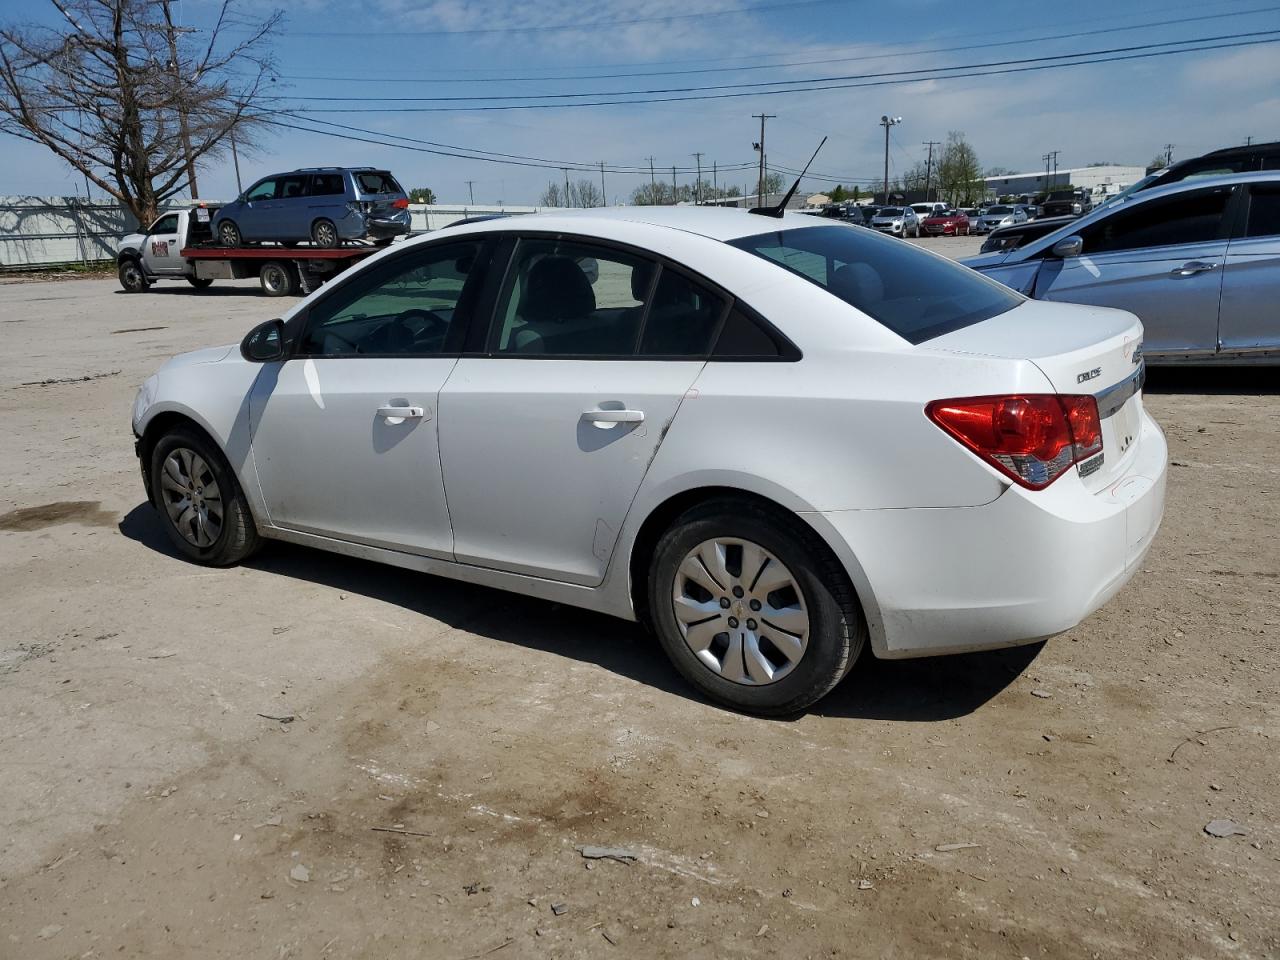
451,746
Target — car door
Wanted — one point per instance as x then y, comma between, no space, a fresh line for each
254,216
546,433
1161,259
289,220
1250,316
344,431
161,249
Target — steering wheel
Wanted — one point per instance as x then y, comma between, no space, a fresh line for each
433,323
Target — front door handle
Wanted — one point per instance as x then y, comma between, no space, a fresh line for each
401,414
1192,267
605,419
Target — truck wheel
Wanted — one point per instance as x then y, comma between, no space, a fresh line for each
132,278
324,234
229,234
200,283
276,278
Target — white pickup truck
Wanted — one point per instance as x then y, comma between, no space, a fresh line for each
180,245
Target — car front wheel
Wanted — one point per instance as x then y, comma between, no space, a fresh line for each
132,279
201,505
229,234
752,608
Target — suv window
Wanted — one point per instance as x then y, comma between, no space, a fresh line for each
913,294
1183,218
266,190
166,224
327,185
1264,212
568,298
377,182
292,186
403,307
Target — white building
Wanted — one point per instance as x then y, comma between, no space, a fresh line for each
1100,181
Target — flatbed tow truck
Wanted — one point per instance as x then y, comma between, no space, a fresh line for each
180,245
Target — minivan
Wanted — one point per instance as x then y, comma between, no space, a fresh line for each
322,205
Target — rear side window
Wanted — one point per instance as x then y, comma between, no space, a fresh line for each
682,318
1264,213
292,187
914,294
327,185
373,183
1182,218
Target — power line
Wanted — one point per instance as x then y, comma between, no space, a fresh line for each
791,83
904,50
973,71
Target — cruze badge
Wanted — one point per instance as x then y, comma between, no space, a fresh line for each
1137,354
1089,375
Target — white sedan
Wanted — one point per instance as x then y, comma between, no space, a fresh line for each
776,440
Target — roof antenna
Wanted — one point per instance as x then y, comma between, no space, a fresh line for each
781,207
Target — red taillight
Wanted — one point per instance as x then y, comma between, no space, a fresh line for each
401,204
1031,438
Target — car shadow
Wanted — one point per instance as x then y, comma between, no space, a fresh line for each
1242,381
246,289
929,690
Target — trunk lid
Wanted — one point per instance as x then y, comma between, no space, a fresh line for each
1081,350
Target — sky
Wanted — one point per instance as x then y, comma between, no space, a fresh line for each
370,50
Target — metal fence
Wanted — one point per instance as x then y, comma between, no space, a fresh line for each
55,231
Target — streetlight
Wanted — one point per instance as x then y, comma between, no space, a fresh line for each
887,122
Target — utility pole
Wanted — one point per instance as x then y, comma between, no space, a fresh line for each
928,169
697,184
171,34
235,159
471,191
604,197
673,184
566,185
887,121
1046,158
1248,141
1168,154
715,183
1054,154
762,117
653,182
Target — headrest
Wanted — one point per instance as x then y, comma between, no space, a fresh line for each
858,283
557,289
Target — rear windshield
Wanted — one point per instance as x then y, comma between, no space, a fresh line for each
915,294
999,209
888,212
379,182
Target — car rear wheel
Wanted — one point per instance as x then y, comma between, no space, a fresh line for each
229,234
202,508
132,279
324,234
276,277
752,608
200,283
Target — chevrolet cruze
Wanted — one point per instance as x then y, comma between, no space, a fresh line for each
775,440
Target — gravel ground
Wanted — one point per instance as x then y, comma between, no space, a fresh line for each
450,747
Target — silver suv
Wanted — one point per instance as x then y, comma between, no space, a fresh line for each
323,205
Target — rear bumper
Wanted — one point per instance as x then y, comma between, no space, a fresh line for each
379,228
1023,567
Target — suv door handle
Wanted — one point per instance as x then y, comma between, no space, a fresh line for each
402,413
604,419
1192,267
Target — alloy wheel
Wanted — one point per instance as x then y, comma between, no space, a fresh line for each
325,234
191,497
741,611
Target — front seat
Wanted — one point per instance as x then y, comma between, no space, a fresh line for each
557,300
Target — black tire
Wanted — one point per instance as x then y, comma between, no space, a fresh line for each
277,278
384,242
238,536
229,234
200,283
837,631
324,234
132,279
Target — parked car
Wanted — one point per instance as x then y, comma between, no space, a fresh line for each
1003,215
1198,261
926,210
923,472
1031,210
863,214
1067,203
975,219
899,221
952,223
1012,237
323,205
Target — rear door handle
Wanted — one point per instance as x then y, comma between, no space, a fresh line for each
1192,267
604,419
400,414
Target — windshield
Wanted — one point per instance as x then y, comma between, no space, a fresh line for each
889,212
914,294
999,210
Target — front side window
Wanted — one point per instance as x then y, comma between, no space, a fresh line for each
266,190
402,307
915,295
166,224
1183,218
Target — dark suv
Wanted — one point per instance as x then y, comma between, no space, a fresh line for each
323,205
1256,156
1067,203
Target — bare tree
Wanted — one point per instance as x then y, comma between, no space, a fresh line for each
116,96
580,193
959,172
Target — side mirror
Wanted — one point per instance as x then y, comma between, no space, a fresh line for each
1071,246
264,343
